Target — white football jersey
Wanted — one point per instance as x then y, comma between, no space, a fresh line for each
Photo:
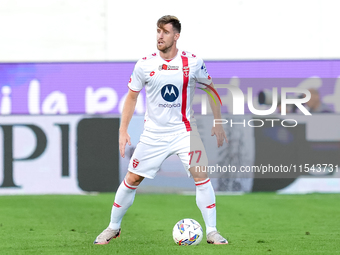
169,88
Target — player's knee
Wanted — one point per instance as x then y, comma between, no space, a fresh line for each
198,173
200,179
133,179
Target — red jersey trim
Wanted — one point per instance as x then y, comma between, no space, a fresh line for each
184,92
134,90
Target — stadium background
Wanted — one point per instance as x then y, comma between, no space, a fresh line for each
65,65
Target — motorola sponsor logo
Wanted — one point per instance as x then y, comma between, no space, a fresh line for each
169,105
169,93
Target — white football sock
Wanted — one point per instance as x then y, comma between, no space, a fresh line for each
205,200
123,200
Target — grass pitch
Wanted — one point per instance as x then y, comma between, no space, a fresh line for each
253,224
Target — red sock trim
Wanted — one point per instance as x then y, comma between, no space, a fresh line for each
128,186
116,205
201,183
211,206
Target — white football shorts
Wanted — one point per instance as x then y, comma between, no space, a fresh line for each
154,148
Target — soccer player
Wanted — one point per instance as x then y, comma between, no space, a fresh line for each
169,77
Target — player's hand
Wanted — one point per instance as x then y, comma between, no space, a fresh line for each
220,134
123,139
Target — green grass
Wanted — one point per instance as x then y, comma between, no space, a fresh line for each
253,224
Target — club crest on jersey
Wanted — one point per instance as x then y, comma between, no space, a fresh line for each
135,162
186,70
167,67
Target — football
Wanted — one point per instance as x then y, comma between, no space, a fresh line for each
187,232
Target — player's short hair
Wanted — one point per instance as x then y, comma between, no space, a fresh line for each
169,19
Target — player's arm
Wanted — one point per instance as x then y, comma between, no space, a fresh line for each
128,110
216,109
